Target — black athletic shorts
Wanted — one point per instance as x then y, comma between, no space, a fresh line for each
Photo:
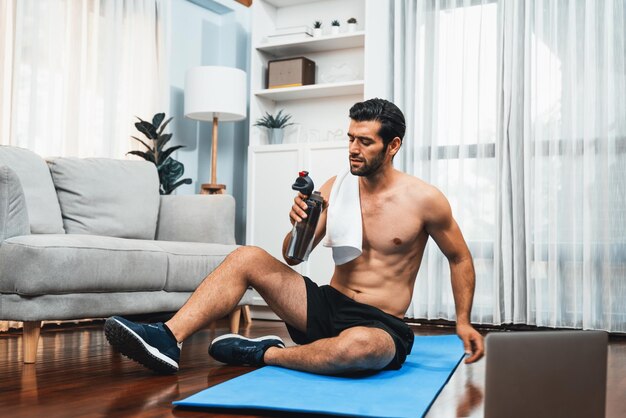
329,312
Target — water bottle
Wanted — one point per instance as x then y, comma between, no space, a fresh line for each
303,232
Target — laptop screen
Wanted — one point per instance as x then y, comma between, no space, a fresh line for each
546,374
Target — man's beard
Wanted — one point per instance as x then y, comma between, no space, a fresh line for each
369,168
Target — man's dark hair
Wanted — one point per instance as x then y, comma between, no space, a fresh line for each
390,117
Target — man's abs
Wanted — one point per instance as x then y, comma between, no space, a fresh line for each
386,287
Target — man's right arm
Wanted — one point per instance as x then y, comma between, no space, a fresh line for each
298,213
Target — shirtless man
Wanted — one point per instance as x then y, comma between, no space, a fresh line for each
355,323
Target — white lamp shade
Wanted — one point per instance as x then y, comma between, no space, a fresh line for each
212,91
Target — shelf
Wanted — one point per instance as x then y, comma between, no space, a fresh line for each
316,145
308,45
313,91
286,3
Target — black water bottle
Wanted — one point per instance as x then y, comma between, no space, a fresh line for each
303,232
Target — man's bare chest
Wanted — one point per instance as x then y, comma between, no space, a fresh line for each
390,225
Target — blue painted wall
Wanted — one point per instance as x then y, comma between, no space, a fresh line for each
209,32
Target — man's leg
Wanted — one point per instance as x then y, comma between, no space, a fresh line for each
282,288
354,350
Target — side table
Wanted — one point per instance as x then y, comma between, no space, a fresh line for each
212,188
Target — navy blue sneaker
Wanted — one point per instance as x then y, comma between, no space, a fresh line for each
147,344
236,350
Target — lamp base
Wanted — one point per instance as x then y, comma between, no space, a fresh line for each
212,188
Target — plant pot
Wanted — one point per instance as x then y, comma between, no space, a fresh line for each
275,135
351,27
334,30
317,32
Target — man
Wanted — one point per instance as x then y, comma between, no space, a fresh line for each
354,324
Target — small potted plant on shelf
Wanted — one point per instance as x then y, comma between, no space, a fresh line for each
317,29
275,125
334,27
352,24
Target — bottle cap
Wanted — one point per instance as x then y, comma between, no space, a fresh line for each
303,183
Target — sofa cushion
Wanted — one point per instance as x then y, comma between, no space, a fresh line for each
188,263
59,264
197,218
44,213
97,305
100,196
13,212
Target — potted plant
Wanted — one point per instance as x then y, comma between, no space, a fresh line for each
317,29
334,27
352,24
169,169
274,125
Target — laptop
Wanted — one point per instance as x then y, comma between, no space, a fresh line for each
549,374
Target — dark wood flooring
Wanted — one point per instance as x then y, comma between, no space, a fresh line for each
78,375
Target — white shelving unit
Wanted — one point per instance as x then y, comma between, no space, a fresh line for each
313,91
320,112
340,82
310,44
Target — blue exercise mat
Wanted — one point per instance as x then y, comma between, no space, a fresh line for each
407,392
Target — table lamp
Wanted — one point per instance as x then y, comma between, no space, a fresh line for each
215,94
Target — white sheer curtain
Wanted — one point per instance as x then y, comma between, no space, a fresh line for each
562,164
7,19
446,86
79,72
516,111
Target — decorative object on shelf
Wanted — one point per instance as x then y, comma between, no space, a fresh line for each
290,72
336,135
334,27
339,73
317,29
213,93
292,33
312,135
275,125
169,169
352,24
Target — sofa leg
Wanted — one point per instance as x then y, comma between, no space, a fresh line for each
31,340
234,320
247,316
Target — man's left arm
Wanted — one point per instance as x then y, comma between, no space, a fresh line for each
442,227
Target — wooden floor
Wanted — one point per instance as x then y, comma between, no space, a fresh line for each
77,374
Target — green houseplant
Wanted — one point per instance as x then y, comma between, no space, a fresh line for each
169,169
317,28
334,27
274,125
351,24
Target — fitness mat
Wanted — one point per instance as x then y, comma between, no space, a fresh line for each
407,392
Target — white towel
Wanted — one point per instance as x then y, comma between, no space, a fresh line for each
344,226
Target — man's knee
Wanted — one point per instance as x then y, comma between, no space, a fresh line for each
365,348
248,256
254,263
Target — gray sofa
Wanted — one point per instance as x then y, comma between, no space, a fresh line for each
90,238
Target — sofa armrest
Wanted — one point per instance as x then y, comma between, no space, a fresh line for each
197,218
13,213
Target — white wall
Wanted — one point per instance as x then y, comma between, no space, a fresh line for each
378,50
217,34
